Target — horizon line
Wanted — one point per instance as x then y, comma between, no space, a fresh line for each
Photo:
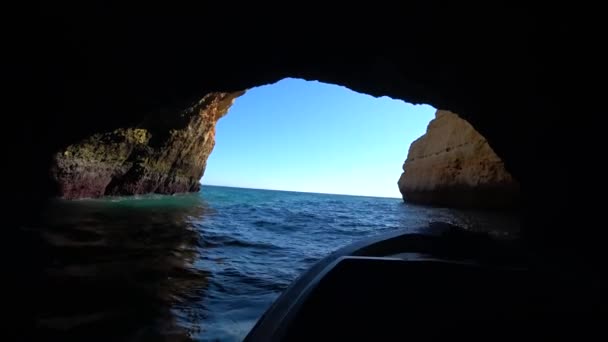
304,192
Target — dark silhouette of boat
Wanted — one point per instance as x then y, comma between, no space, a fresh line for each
445,285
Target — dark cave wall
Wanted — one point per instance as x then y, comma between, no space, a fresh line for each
78,71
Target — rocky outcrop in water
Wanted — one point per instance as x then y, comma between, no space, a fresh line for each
453,165
164,154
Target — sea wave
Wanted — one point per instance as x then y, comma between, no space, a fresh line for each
205,264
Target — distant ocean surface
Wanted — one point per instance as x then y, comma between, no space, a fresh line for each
201,266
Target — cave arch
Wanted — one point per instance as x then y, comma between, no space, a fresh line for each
450,165
102,72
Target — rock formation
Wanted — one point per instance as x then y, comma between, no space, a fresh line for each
453,165
72,76
164,154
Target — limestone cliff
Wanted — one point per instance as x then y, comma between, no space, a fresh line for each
164,154
453,165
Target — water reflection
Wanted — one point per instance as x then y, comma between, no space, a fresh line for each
116,270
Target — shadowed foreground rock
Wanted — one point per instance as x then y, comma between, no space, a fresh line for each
453,165
164,154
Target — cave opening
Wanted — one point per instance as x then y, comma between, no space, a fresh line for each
234,247
309,136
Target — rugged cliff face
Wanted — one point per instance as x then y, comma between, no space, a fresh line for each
453,165
164,154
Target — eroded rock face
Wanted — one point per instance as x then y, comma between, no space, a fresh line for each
453,165
164,154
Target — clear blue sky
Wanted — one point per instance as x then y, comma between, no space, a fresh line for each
315,137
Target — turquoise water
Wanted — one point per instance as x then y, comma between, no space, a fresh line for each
200,266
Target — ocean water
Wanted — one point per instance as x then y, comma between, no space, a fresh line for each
201,266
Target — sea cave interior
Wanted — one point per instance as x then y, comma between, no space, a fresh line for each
144,87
